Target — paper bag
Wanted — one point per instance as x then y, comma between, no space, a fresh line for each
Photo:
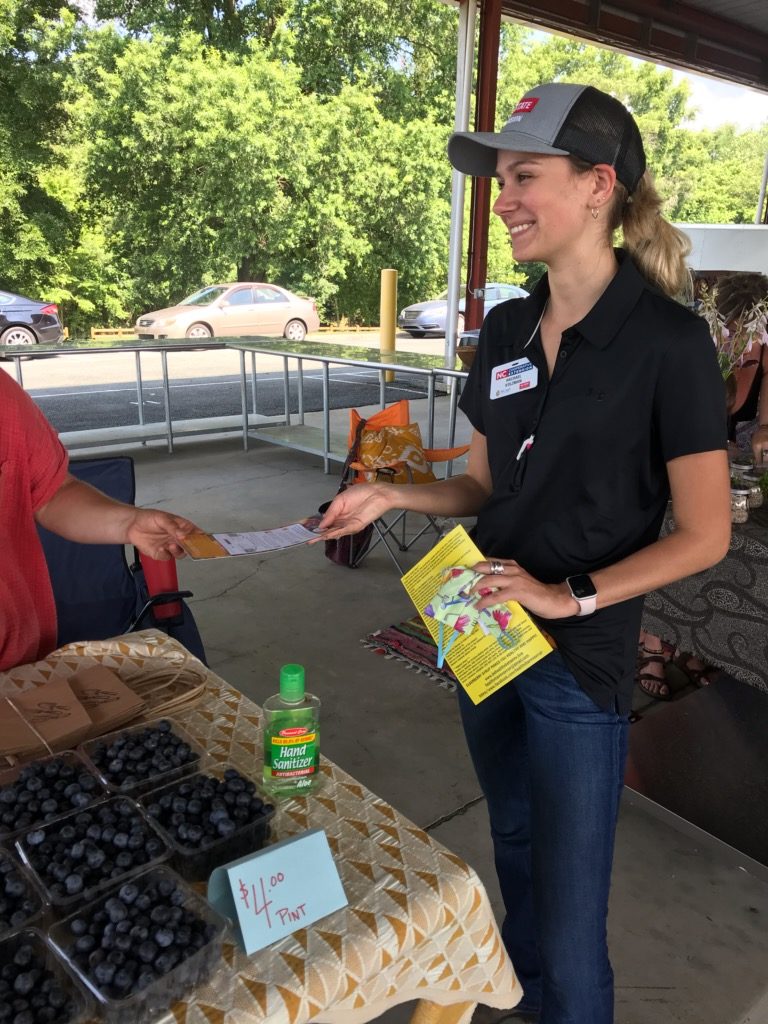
106,698
50,712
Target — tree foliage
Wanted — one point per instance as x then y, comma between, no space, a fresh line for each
299,141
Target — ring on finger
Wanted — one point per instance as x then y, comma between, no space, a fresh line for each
497,568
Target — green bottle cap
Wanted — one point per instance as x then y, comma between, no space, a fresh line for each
292,683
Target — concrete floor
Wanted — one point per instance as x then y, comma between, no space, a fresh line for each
687,930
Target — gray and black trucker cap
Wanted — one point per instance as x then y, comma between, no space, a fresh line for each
561,120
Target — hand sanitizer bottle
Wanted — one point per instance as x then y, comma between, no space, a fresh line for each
291,737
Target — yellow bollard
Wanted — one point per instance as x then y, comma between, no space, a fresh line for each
388,317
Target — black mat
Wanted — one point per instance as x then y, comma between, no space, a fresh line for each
705,758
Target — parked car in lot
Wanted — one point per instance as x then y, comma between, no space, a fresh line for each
26,321
430,317
227,310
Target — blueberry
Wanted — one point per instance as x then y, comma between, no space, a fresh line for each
24,956
14,885
95,859
85,944
73,884
128,893
123,980
164,937
104,973
35,838
78,926
147,951
24,983
116,909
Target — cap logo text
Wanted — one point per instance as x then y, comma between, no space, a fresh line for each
525,106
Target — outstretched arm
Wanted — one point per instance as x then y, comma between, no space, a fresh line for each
462,495
81,513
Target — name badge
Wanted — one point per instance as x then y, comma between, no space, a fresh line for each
512,378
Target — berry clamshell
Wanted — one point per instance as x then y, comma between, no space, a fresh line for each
162,993
195,863
48,959
38,916
9,777
62,903
88,751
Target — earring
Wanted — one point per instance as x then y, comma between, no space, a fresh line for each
595,213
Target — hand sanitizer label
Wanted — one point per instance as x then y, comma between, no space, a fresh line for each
294,753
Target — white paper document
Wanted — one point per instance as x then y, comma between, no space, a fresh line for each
265,540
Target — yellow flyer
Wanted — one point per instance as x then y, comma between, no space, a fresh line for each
481,665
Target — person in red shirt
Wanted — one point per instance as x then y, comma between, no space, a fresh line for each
36,487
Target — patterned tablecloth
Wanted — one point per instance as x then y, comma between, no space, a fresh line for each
722,614
418,926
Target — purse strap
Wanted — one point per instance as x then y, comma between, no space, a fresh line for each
352,456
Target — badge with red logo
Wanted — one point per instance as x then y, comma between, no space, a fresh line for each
525,106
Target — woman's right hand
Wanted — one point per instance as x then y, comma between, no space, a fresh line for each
353,509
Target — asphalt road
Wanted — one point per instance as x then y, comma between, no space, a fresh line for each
95,406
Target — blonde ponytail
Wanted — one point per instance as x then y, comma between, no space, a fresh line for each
658,248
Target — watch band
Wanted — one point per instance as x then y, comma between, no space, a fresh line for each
587,605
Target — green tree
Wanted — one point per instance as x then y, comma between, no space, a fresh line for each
223,24
207,164
50,246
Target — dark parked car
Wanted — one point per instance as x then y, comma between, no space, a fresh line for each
429,317
25,321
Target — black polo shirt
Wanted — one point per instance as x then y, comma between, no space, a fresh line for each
636,383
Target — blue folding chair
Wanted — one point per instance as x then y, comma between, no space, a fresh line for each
97,593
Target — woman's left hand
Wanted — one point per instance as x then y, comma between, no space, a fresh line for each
548,600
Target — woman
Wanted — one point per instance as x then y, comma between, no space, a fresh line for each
569,475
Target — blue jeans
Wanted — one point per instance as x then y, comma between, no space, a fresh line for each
551,765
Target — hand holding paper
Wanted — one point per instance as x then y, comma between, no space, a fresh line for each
255,542
481,664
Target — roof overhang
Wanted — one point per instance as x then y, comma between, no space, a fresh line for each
724,38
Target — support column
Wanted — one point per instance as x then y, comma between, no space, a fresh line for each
480,204
465,59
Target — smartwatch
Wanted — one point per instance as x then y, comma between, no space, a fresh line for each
583,589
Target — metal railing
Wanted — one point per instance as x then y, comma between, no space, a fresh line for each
296,434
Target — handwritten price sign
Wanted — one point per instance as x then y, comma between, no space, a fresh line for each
271,893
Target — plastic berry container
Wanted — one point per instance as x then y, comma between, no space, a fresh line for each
37,909
70,1002
120,780
36,855
145,1003
195,862
10,781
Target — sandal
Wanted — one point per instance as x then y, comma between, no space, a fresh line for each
659,688
643,677
668,650
698,676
